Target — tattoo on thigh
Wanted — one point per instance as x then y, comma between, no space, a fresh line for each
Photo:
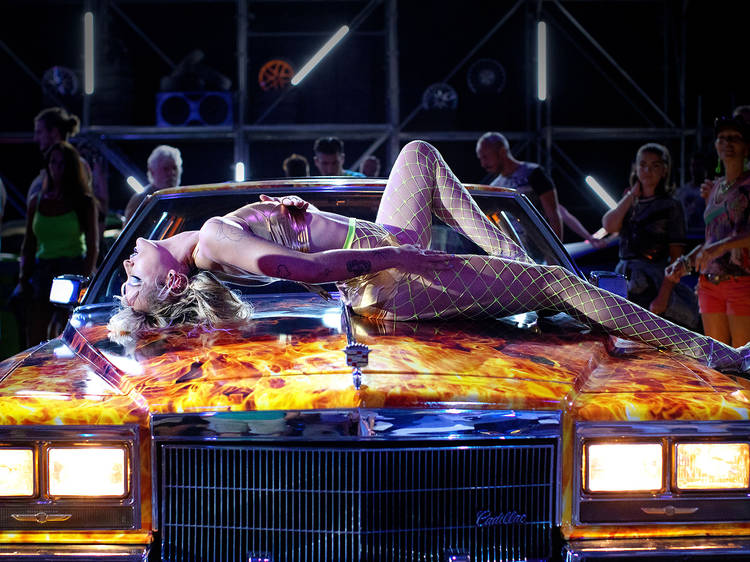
282,271
358,267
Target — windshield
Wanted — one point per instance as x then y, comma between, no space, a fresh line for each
174,213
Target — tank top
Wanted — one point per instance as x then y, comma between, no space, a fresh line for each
58,236
284,225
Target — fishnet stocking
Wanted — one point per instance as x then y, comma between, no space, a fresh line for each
420,184
490,286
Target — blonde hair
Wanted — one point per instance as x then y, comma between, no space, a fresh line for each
206,301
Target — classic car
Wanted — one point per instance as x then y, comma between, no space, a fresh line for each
311,434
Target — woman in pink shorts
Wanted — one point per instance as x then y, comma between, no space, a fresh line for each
724,258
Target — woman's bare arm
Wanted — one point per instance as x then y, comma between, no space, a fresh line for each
612,219
224,243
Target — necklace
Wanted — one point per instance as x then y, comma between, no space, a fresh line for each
722,189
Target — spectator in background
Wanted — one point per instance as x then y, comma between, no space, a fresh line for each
493,152
370,166
723,260
61,237
164,169
651,224
743,112
689,194
296,166
51,126
329,158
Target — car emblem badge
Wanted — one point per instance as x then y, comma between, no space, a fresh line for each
356,357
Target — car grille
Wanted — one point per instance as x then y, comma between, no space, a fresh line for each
332,502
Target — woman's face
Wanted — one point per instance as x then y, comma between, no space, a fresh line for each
147,269
729,145
56,165
650,168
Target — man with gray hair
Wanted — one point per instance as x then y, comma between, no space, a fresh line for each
530,179
164,168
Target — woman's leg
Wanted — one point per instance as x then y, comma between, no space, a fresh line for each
491,286
739,327
420,184
716,325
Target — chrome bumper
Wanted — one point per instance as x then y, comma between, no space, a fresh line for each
75,553
716,548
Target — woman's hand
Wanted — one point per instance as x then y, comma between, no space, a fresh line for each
636,191
596,242
675,270
287,201
423,262
707,254
706,187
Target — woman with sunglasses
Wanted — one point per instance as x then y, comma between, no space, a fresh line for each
723,260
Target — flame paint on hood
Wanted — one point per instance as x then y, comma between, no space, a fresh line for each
291,357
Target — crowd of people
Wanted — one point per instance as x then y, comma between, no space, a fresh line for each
701,228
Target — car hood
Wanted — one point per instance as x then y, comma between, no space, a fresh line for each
291,357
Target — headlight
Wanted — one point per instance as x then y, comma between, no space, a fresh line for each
87,471
624,467
16,472
712,466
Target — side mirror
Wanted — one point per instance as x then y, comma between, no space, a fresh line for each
68,290
610,281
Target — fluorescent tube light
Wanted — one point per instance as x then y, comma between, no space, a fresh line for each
324,50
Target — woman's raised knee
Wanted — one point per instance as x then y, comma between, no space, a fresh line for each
420,146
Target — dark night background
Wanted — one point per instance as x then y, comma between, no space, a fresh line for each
350,85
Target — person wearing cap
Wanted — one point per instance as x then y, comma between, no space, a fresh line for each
723,260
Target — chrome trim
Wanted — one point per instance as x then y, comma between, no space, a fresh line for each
663,429
352,501
68,432
356,424
41,517
669,510
578,551
680,502
75,552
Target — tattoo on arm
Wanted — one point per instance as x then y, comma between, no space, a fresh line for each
225,232
358,267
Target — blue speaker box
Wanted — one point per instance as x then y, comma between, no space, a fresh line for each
179,109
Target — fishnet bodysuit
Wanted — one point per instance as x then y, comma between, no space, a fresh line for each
505,282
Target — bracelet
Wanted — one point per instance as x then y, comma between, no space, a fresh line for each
683,259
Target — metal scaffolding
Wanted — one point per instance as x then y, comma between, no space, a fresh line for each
541,137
